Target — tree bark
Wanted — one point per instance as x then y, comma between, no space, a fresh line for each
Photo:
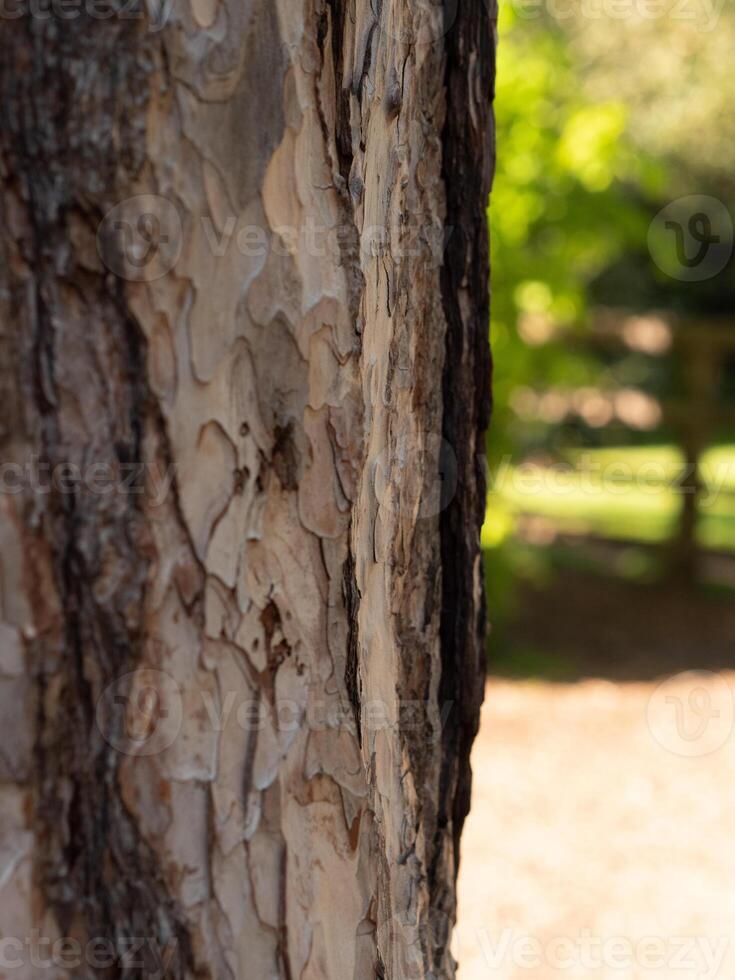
245,381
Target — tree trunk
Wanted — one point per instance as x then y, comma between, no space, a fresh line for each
245,384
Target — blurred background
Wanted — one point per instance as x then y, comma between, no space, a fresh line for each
612,448
603,770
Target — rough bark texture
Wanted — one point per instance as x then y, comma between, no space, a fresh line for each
240,586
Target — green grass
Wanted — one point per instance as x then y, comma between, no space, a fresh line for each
623,494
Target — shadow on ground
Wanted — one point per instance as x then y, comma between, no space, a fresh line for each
587,622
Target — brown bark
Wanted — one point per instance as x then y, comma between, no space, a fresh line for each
246,388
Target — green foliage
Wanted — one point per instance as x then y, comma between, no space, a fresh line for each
565,204
591,117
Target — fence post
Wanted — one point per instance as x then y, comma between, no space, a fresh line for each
701,373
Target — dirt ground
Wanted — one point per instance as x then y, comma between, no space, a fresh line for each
600,843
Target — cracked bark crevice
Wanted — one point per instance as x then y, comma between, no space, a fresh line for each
331,36
351,594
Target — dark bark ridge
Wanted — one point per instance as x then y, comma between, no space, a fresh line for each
467,172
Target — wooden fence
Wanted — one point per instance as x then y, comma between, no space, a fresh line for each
698,349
